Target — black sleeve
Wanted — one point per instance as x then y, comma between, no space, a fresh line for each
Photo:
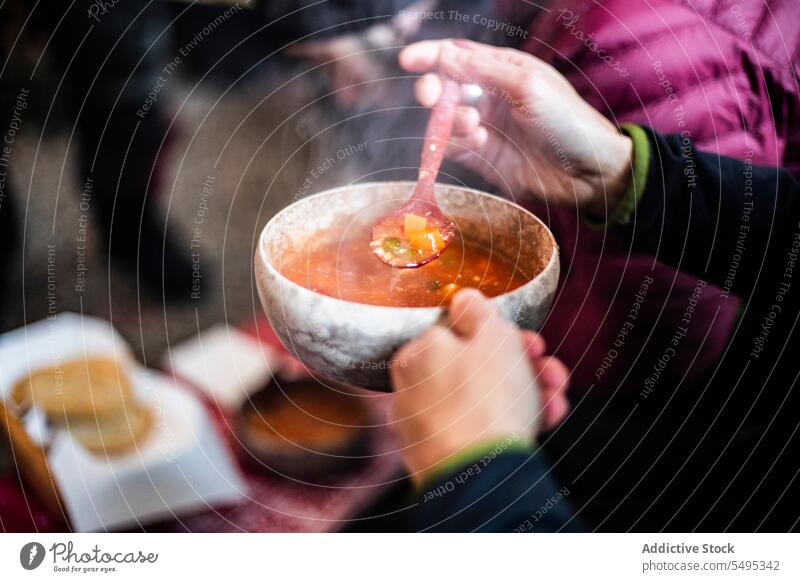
725,220
510,492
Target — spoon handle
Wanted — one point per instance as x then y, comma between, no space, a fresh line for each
437,134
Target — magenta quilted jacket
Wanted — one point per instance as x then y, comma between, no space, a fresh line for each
721,73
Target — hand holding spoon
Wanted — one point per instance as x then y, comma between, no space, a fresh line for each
418,232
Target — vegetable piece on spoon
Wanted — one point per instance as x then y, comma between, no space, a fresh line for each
418,232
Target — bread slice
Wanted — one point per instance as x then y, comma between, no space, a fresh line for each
89,387
111,434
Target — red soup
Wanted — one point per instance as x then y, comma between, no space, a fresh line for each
348,269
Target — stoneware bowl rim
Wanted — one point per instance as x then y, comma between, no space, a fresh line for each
266,261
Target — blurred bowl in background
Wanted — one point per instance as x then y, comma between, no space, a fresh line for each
303,429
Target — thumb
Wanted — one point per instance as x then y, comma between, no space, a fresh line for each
470,313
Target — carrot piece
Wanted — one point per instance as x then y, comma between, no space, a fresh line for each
414,224
438,241
428,241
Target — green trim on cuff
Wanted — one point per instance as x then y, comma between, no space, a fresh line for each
623,213
474,454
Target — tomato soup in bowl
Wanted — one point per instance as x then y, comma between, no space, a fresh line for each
343,312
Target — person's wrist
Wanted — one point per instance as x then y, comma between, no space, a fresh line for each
423,458
426,462
609,185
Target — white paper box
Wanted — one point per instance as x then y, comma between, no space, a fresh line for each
227,364
181,466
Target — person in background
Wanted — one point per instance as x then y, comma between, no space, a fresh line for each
463,391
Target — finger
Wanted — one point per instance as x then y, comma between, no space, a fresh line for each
552,377
427,89
466,65
423,56
410,355
535,345
418,362
471,144
481,152
551,373
492,73
509,55
471,312
420,57
468,151
554,410
471,151
466,122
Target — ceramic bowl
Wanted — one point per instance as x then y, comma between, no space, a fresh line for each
352,342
